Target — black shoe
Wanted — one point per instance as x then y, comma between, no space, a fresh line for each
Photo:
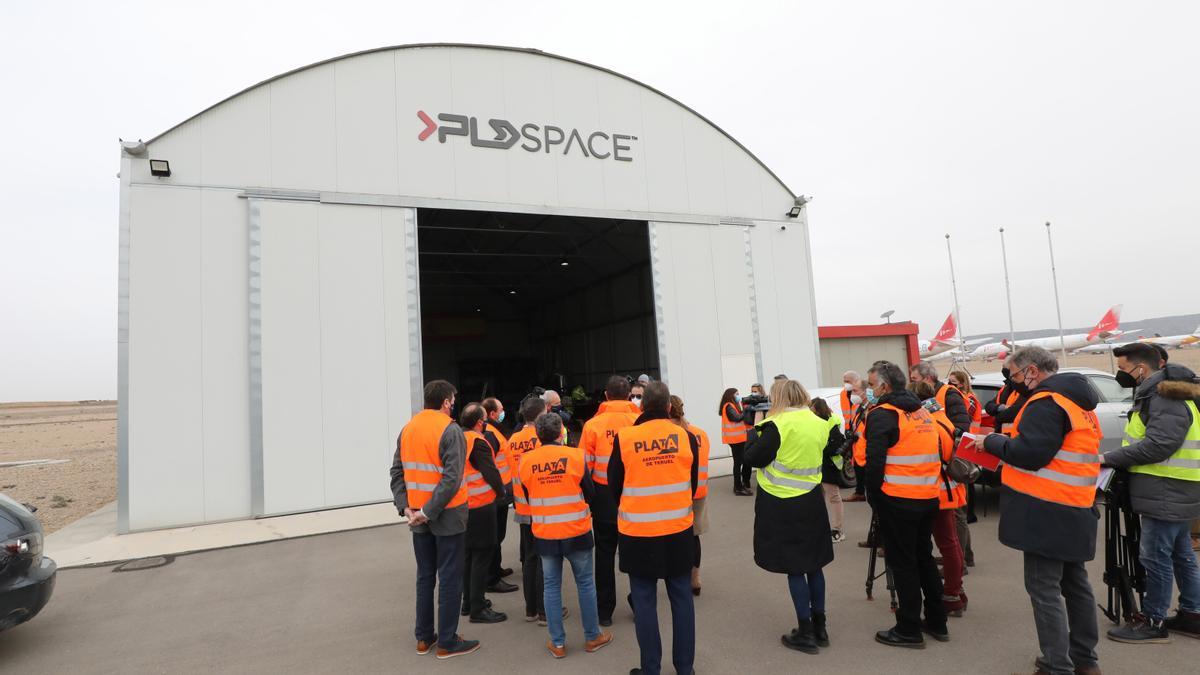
1140,631
506,571
819,633
466,609
893,639
488,615
801,638
971,519
635,671
940,634
606,622
502,587
1184,622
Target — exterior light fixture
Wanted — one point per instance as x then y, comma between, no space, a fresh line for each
798,206
512,292
160,168
564,263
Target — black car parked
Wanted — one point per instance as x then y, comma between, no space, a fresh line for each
26,576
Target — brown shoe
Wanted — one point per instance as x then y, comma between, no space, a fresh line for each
1088,670
426,646
602,640
557,651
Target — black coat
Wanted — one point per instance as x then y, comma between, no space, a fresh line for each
1033,525
829,472
791,536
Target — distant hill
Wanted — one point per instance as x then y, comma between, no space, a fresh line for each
1182,324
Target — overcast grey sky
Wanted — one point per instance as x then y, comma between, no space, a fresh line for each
906,121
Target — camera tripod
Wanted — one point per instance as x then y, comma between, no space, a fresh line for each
873,539
1123,571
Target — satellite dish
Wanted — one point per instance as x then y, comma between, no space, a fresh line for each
888,315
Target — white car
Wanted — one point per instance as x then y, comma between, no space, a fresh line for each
1113,409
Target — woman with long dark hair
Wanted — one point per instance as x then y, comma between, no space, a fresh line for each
831,470
733,434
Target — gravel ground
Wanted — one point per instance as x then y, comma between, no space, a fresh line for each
84,433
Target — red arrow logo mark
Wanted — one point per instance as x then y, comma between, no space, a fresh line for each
430,126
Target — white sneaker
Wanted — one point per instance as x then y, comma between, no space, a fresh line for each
838,537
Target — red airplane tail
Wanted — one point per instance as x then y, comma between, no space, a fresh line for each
1109,323
947,331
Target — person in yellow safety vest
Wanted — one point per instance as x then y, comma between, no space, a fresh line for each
495,436
700,500
791,528
554,480
429,489
1047,510
596,442
831,468
484,491
733,433
1161,451
653,475
903,473
851,380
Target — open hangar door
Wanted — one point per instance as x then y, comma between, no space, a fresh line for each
510,301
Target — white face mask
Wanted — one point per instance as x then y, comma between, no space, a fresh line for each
637,400
855,399
847,386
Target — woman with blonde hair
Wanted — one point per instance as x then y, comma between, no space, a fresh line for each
791,523
699,512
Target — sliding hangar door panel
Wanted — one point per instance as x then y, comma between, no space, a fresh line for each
702,299
784,301
335,351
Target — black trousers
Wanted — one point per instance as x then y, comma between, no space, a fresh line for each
860,480
501,530
908,544
531,574
606,558
475,573
741,470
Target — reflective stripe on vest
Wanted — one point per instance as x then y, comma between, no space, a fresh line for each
913,467
479,493
847,409
550,475
1070,477
596,441
797,466
419,457
1184,463
656,497
732,432
701,461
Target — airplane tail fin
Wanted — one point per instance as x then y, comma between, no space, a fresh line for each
1196,333
947,331
1110,322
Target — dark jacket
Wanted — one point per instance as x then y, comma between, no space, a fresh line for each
791,536
443,522
956,407
883,431
662,557
1033,525
1007,414
829,472
1162,404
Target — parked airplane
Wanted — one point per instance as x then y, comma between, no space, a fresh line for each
944,340
1107,329
1175,341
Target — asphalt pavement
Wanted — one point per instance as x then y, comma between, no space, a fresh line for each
344,603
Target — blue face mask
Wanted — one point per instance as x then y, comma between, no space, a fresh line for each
871,400
737,397
500,417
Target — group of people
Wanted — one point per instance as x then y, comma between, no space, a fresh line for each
637,483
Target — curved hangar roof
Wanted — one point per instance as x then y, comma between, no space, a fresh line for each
474,124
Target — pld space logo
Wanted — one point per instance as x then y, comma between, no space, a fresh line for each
532,137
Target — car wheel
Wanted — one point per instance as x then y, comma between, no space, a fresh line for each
846,477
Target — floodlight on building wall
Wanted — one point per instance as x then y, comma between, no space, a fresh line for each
798,206
160,168
564,263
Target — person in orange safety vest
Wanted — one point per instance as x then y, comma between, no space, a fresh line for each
484,491
734,431
499,442
699,502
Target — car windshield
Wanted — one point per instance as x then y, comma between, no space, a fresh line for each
984,392
1110,391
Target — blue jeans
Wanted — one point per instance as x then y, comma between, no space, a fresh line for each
1166,553
439,562
808,593
585,583
683,623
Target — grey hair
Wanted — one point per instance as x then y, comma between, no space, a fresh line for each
548,427
852,374
926,369
890,373
1035,356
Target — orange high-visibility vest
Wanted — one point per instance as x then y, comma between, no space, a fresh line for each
913,464
656,499
847,410
976,409
733,432
479,493
860,445
701,461
421,460
501,455
1009,397
519,443
1070,478
957,496
599,432
551,475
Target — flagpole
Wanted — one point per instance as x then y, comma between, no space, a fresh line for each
1012,336
962,334
1062,341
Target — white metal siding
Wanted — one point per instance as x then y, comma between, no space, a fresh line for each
783,286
